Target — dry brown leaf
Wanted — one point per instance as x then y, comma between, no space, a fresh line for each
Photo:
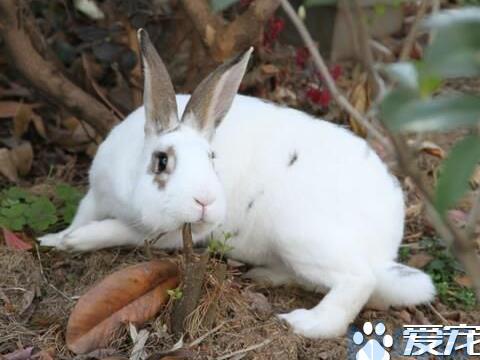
269,69
420,260
131,295
432,149
359,98
8,109
39,125
463,280
21,121
22,157
7,167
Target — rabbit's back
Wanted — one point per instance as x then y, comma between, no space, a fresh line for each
285,171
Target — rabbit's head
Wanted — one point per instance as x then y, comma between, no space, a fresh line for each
178,183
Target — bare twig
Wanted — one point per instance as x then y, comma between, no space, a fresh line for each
437,313
224,39
207,334
43,74
194,269
329,82
247,349
410,39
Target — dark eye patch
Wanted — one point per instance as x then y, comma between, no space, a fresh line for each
160,162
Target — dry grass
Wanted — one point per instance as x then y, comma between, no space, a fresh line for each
243,311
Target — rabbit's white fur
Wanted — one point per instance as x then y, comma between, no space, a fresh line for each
306,201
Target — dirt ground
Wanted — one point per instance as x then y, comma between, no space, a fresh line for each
38,289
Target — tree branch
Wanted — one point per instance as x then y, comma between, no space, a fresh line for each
224,39
43,75
329,82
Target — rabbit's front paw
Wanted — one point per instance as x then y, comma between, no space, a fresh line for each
56,240
316,324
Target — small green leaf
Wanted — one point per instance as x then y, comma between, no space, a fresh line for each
455,51
456,172
220,5
403,110
41,214
68,193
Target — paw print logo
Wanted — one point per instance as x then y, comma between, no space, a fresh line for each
372,349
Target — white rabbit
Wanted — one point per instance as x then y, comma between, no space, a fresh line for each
306,200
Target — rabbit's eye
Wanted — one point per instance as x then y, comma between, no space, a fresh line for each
161,162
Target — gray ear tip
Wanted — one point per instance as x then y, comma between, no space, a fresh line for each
143,38
247,53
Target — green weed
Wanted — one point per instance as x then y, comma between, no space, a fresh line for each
20,209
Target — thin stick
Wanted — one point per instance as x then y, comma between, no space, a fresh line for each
410,39
247,349
437,313
207,334
327,78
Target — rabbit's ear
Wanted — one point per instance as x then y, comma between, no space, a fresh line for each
158,94
212,99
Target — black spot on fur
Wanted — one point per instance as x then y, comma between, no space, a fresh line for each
254,199
250,204
293,158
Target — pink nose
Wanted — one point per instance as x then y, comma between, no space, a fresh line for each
204,201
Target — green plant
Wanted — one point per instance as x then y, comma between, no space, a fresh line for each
220,247
20,209
414,105
175,294
444,270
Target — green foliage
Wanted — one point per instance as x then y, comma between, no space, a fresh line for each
220,5
175,294
70,198
405,110
456,172
220,247
404,253
444,269
412,106
20,209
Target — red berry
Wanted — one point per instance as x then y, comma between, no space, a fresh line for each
325,97
336,71
320,97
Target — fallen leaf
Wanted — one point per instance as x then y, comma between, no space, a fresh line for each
14,242
131,295
269,69
420,260
7,167
22,157
8,109
21,121
463,280
359,98
432,149
139,338
22,354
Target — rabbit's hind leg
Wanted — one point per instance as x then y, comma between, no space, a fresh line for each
331,317
86,212
270,276
100,234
